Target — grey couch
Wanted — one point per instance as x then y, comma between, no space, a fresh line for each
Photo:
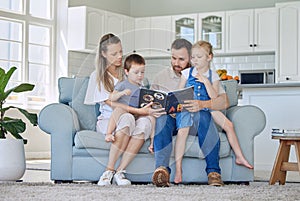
78,153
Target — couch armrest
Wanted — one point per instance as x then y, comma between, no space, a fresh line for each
61,122
248,121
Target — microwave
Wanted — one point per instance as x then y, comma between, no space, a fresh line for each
257,76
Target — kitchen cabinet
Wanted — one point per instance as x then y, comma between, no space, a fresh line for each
289,42
212,29
153,36
185,26
251,30
123,27
85,27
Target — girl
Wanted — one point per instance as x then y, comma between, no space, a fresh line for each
206,85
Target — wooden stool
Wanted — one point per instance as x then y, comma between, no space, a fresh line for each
281,164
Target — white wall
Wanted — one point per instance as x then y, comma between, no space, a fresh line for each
38,142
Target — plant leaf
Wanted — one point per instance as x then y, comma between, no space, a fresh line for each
14,126
17,89
4,78
32,117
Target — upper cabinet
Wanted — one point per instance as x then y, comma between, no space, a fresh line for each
252,30
153,36
185,26
212,29
86,25
289,42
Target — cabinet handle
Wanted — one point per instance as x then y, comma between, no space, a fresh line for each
287,78
168,49
255,45
134,51
251,45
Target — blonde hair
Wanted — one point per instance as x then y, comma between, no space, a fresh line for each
206,45
101,63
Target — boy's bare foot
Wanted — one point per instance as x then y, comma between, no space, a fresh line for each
151,149
178,176
109,138
244,162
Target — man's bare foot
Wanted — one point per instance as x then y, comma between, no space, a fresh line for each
244,162
109,138
178,176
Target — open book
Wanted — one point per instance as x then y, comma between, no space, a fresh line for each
171,101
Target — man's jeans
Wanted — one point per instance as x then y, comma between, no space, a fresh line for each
208,139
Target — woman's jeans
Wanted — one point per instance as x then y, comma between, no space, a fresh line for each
208,138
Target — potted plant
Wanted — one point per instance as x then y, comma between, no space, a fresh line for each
12,154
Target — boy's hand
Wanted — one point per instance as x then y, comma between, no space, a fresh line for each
126,92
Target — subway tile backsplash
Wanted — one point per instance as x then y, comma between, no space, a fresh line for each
82,63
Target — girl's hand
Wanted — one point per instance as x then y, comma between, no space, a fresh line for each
201,78
148,110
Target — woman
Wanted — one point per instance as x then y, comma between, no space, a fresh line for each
127,141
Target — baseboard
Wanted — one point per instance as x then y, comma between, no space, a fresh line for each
38,155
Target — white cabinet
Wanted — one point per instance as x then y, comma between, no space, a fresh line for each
185,26
123,27
289,42
153,36
85,27
142,36
212,29
251,30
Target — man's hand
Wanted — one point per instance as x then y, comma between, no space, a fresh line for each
193,105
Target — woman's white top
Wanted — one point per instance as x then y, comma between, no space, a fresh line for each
94,95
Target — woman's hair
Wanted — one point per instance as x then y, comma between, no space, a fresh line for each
133,59
206,45
101,62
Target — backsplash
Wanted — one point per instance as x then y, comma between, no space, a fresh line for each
82,63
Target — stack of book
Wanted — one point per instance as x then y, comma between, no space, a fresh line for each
286,132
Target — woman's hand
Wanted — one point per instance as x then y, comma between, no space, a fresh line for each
148,110
192,105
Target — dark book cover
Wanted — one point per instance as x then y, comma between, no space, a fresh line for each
171,101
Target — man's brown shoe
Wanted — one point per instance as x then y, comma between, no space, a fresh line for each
161,177
214,179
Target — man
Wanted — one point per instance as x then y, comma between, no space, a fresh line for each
168,80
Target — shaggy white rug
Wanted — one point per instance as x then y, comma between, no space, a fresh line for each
88,191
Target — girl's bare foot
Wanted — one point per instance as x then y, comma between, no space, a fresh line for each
244,162
178,176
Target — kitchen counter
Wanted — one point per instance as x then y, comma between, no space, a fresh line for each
275,85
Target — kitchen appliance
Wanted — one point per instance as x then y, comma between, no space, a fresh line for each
264,76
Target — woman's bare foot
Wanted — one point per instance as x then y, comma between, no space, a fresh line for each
178,176
109,138
244,162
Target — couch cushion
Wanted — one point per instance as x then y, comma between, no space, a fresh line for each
90,139
230,87
192,147
65,89
86,113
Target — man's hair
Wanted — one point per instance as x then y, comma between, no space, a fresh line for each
133,59
182,43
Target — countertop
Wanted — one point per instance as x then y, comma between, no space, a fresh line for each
275,85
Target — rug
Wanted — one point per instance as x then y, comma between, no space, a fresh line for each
88,191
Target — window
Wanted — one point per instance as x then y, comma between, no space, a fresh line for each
26,41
